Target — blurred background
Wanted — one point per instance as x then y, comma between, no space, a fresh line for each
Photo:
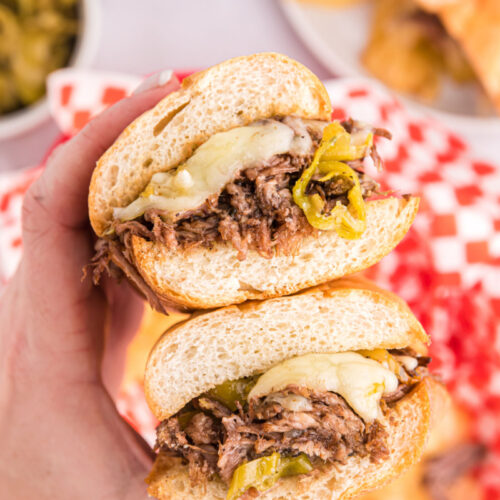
428,70
144,37
396,41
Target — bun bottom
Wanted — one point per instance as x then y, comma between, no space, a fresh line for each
206,278
407,424
450,427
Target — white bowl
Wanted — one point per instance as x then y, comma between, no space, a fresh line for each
16,123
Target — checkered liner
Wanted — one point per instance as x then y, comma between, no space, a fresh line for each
447,267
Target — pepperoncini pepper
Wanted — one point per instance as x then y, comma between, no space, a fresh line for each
334,150
383,356
263,472
228,393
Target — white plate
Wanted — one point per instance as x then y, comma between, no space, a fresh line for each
337,36
15,123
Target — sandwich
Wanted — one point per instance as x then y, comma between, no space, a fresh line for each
324,394
475,26
239,186
418,46
450,456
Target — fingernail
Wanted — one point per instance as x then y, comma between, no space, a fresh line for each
155,80
164,77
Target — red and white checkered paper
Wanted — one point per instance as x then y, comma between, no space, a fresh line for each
447,267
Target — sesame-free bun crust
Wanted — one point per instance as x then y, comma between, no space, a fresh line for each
237,341
449,427
407,424
205,278
231,94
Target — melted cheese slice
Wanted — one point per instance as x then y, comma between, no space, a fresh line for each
214,164
360,381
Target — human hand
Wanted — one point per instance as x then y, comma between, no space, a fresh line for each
61,436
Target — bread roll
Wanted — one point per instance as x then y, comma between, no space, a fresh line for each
238,341
233,94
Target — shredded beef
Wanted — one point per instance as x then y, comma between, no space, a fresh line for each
410,377
116,260
255,211
330,431
202,429
214,407
399,393
216,440
236,447
202,459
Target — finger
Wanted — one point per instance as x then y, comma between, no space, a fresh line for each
155,80
55,249
63,187
149,454
74,444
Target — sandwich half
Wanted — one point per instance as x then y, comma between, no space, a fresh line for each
446,469
238,187
320,395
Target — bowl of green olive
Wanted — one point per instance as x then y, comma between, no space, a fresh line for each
38,37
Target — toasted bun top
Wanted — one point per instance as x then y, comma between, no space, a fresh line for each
231,94
238,341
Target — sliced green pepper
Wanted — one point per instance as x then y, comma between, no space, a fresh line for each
335,148
382,356
262,473
344,149
293,466
185,418
228,393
